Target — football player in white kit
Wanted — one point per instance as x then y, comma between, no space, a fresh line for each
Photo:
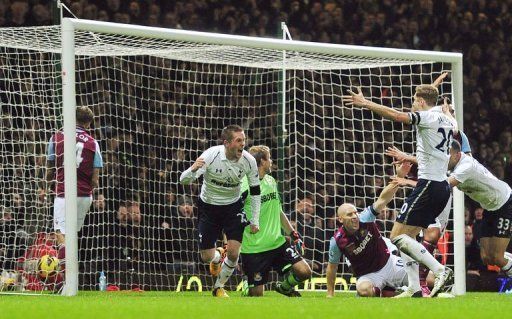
436,230
495,197
434,133
220,207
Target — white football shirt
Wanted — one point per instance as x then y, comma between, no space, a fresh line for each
434,134
480,184
222,177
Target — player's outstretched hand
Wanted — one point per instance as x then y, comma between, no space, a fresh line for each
198,164
440,79
356,99
254,229
397,154
402,181
403,169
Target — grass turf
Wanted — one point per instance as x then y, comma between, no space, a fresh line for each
173,305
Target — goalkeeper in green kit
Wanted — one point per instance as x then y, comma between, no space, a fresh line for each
269,248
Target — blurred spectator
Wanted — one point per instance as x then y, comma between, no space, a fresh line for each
178,233
125,243
304,220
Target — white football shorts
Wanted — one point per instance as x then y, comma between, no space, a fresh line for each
392,275
59,212
442,220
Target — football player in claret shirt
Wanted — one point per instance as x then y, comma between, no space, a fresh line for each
360,241
89,162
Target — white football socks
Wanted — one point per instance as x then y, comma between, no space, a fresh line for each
412,270
416,251
226,271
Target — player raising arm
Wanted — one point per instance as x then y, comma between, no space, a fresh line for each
436,230
434,132
219,204
269,248
360,241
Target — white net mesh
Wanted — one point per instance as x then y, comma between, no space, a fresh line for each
158,104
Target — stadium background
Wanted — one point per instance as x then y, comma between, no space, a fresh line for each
476,28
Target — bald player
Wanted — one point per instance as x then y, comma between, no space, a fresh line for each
359,239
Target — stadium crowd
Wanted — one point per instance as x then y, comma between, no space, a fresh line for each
478,29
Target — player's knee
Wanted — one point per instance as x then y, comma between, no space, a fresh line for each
232,253
207,255
365,289
232,256
432,235
302,271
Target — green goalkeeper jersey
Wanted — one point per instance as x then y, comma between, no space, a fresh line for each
269,237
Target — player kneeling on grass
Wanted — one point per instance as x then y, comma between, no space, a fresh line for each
360,241
269,248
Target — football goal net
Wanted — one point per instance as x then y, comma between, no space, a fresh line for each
160,97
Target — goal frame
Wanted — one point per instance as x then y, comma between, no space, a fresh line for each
69,26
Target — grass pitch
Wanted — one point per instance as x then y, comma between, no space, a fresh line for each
173,305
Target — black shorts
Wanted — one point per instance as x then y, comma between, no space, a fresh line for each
425,203
498,223
257,266
213,219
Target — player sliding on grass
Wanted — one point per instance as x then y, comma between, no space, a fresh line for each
269,248
434,132
360,241
219,204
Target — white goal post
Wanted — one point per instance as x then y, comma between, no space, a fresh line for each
329,152
68,62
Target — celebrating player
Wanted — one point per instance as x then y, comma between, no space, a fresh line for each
269,248
89,163
436,230
220,205
434,132
495,196
360,241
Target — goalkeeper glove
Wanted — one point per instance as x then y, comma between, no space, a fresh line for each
297,242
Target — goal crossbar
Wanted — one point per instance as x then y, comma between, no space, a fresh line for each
385,55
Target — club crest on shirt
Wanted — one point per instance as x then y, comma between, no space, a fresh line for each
257,277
